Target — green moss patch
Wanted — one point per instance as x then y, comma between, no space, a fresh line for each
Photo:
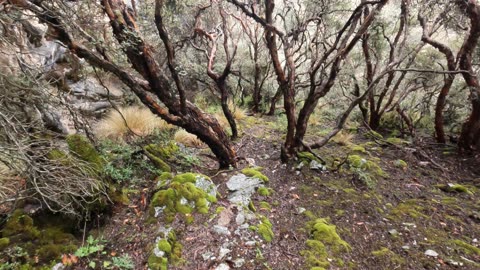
323,245
366,170
386,254
400,164
159,153
183,196
45,244
264,229
167,251
454,188
255,173
81,147
466,248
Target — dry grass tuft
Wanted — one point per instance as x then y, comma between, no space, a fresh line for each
188,139
238,113
343,138
140,120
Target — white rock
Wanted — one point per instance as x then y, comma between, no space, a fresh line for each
431,253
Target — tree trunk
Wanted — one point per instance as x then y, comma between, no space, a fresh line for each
273,102
226,111
442,97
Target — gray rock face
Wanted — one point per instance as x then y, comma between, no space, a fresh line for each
221,230
243,188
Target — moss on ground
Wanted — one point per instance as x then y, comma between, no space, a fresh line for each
182,196
170,251
454,188
255,173
264,191
323,245
386,254
81,147
411,208
466,248
41,246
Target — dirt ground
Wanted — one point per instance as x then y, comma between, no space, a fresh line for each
422,214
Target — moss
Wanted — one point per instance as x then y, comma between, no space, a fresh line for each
265,206
454,188
157,161
164,246
323,244
307,157
182,196
388,254
54,251
81,147
373,135
4,242
251,206
466,248
21,226
219,210
163,151
157,263
263,191
163,179
400,164
357,148
119,196
396,141
255,173
410,208
264,229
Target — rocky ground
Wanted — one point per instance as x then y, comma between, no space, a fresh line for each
376,204
370,202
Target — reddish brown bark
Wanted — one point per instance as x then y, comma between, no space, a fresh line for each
448,80
470,135
141,57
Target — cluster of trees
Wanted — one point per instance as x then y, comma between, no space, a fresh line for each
379,57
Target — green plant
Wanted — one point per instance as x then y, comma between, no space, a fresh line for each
123,262
93,246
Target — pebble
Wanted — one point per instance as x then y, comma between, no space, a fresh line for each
250,243
431,253
221,230
223,252
239,262
222,266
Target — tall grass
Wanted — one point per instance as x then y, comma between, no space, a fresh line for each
132,120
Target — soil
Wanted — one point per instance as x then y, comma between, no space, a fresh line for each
389,225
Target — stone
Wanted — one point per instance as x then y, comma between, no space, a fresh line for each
242,187
221,230
315,165
223,252
393,232
301,210
431,253
238,263
250,243
222,266
207,255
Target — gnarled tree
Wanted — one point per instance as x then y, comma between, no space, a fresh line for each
153,87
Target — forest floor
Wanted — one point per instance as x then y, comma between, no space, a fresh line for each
419,210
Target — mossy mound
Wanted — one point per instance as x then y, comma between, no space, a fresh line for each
264,229
186,193
466,248
264,191
400,164
324,244
255,173
81,147
454,188
373,135
167,251
366,170
39,246
158,153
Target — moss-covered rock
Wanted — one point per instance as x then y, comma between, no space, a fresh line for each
81,147
366,170
400,164
159,153
323,245
454,188
255,173
168,251
4,242
466,248
373,135
20,226
264,191
185,194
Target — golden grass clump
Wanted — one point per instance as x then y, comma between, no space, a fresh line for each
188,139
343,138
138,119
238,113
